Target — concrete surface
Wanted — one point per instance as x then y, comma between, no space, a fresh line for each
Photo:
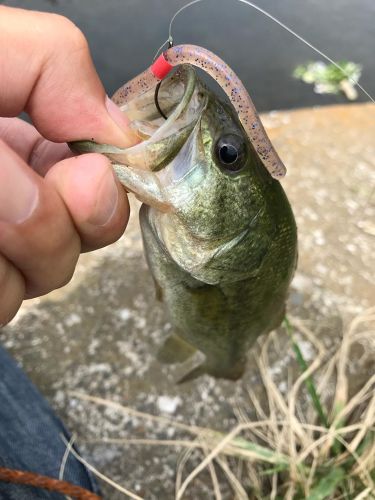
99,334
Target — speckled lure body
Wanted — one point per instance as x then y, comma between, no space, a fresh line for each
226,78
219,233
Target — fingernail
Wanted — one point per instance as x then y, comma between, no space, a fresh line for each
129,137
107,200
116,114
19,195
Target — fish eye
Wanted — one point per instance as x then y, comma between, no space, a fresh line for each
230,152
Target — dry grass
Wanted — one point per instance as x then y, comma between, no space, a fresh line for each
294,450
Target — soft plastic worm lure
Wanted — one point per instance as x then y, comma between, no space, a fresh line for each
226,78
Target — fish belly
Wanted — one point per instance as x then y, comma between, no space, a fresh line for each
222,322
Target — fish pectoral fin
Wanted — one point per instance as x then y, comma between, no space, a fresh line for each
196,372
219,370
175,350
158,291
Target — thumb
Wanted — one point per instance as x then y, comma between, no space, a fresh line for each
46,69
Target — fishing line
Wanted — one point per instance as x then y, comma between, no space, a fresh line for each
282,25
225,77
168,41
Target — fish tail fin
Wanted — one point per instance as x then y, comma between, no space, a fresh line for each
233,372
175,350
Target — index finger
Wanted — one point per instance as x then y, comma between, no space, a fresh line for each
46,69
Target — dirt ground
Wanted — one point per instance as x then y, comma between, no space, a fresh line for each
99,334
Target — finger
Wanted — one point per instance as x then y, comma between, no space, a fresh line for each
12,286
37,152
94,197
55,82
37,234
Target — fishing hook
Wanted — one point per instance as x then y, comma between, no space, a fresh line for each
157,88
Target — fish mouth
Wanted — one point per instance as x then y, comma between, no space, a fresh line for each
142,167
180,99
163,119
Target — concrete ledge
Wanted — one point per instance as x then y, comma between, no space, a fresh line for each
100,333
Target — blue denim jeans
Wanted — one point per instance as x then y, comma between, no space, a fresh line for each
30,437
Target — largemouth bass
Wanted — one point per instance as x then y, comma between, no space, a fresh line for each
219,233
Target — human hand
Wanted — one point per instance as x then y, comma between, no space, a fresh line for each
52,205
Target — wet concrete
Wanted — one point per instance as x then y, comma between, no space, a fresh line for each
99,334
